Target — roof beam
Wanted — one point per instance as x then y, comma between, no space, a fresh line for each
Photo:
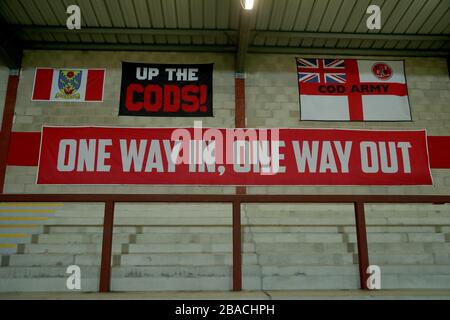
351,36
343,51
243,40
125,47
131,31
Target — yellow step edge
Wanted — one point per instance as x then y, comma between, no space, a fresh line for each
26,211
30,204
8,245
14,235
22,218
19,226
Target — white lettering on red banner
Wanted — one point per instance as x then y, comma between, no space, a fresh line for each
202,156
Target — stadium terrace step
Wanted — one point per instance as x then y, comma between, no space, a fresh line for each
183,259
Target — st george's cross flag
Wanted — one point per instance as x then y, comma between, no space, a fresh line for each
352,90
68,85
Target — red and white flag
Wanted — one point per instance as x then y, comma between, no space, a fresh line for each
68,85
352,90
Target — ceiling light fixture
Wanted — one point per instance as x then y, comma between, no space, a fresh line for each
247,4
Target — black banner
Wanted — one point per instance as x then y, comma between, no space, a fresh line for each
159,90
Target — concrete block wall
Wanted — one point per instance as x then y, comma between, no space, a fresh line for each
272,101
31,115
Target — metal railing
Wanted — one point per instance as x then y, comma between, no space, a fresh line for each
236,200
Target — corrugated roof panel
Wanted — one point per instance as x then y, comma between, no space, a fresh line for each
342,15
141,10
422,16
123,38
221,40
183,18
20,13
425,45
115,13
7,13
331,43
307,43
197,14
290,13
110,38
402,44
390,44
303,15
414,8
128,13
184,40
156,14
258,40
294,42
366,44
343,43
358,16
209,14
413,45
282,42
48,13
234,15
88,18
33,12
437,45
443,24
319,43
437,14
197,40
71,37
316,15
354,43
223,14
378,44
270,41
277,14
101,12
263,14
148,39
169,13
329,16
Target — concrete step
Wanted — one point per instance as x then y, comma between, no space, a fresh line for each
180,271
37,260
185,248
195,259
413,281
14,238
183,238
309,282
172,284
79,248
42,284
292,247
400,237
410,247
45,272
410,259
74,238
280,259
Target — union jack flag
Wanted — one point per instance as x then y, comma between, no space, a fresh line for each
321,70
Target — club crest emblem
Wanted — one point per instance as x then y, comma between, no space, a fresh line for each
382,71
69,82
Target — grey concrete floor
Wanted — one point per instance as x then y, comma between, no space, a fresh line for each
243,295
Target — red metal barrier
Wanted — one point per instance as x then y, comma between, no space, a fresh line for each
236,200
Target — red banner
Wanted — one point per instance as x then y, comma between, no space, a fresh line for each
208,156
